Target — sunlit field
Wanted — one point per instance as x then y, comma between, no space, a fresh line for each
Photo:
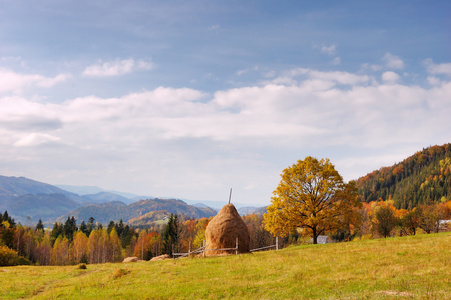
414,267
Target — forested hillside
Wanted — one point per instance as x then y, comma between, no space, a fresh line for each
115,211
424,177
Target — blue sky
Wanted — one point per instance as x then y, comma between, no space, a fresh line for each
188,99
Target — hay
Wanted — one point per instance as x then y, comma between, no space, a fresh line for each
161,257
223,230
130,259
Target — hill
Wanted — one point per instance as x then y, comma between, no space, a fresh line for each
421,178
103,197
23,198
413,267
153,217
249,210
115,211
93,192
40,206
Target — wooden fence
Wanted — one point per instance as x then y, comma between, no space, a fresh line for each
203,248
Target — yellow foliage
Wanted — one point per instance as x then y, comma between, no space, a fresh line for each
311,195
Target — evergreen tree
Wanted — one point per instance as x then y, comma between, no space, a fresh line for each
69,228
119,227
110,227
91,225
171,235
7,217
39,226
56,232
83,228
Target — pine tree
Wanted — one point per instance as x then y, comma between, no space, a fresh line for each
39,226
171,235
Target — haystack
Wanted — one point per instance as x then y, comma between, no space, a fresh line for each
223,230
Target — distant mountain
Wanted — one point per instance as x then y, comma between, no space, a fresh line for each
114,211
80,190
249,210
103,197
17,186
23,198
108,195
40,206
421,178
201,205
154,217
102,213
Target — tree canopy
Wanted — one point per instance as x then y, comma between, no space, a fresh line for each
313,197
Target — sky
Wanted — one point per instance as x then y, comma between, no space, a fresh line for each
188,99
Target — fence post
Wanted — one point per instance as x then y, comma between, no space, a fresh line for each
203,248
189,248
173,256
236,251
277,243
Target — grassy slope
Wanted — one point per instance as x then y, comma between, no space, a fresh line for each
416,267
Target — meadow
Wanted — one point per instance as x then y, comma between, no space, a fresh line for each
413,267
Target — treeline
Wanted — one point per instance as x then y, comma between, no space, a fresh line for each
68,243
420,179
381,219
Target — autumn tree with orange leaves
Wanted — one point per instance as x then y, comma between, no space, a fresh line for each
313,197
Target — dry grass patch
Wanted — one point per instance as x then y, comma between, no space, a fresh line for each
119,273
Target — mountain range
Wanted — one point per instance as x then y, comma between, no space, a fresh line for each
116,210
29,200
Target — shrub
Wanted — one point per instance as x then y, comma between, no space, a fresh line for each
119,273
22,261
81,266
8,257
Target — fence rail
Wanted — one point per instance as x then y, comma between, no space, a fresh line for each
268,247
203,249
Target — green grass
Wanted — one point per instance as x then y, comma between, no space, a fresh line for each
417,267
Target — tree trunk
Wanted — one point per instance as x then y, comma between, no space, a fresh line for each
315,236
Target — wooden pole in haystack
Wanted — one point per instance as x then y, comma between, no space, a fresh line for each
230,196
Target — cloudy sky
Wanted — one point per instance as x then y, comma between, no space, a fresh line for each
191,98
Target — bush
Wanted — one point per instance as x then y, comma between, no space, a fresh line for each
81,266
84,259
8,257
22,261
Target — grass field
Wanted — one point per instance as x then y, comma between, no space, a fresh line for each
417,267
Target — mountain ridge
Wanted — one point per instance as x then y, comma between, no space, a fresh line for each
421,178
115,211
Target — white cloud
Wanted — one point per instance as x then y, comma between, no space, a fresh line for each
433,80
393,61
444,68
329,50
390,77
324,79
214,28
340,77
228,138
116,67
371,67
16,82
35,139
336,61
314,109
